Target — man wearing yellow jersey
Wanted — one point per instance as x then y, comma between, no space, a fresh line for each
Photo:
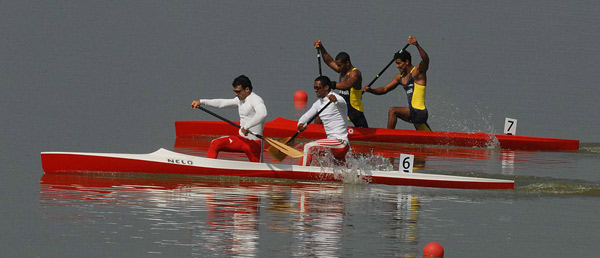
349,86
414,80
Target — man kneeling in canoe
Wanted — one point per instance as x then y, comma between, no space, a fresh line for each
252,111
414,80
334,122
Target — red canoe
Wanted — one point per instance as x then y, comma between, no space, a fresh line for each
281,127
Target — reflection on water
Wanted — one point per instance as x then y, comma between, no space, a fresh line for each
316,220
508,162
232,225
229,216
211,215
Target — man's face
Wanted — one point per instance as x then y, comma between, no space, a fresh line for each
320,90
402,66
240,92
344,66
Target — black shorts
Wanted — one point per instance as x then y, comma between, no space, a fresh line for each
418,116
357,118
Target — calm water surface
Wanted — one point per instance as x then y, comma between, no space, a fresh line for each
114,76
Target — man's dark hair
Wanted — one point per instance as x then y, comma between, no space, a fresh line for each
325,81
404,55
242,80
342,57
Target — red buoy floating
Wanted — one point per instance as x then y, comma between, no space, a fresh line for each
433,249
300,99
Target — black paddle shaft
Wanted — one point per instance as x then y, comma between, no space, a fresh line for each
226,120
319,60
386,67
309,121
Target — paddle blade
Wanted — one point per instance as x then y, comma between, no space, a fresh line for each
282,148
276,153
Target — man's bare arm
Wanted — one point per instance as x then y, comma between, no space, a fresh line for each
327,59
353,79
385,89
424,64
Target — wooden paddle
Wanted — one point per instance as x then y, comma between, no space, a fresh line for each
275,144
280,155
386,67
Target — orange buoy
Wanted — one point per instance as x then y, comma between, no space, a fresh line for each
300,99
433,249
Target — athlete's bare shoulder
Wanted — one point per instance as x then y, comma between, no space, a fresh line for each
356,78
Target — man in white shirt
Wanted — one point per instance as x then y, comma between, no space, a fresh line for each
334,122
253,112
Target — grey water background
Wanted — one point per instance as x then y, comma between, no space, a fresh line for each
113,76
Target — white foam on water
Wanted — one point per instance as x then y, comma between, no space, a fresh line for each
356,168
562,188
493,143
593,148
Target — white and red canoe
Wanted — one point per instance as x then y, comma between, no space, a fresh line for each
164,161
281,127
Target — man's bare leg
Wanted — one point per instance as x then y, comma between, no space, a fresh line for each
395,113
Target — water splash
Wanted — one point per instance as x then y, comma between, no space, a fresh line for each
451,117
356,169
493,143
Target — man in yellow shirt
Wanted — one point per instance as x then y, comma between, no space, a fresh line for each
414,80
349,85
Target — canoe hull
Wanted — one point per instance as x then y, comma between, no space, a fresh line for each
281,127
167,162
